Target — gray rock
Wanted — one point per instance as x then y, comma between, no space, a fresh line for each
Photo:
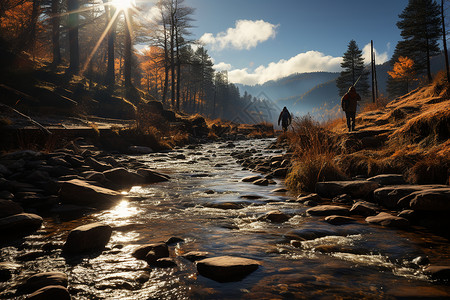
436,200
123,177
37,175
58,161
390,195
19,225
339,220
96,165
327,210
87,238
41,280
227,268
250,178
356,189
262,182
310,197
363,208
388,179
160,250
165,262
9,208
388,220
50,292
276,216
82,193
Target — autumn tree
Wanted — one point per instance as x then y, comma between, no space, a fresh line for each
403,71
420,26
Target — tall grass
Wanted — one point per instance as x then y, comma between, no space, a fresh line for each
313,156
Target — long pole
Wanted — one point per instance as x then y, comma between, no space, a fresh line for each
372,62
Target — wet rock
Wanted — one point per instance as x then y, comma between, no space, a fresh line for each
160,250
94,176
363,208
165,262
327,210
262,182
356,189
275,216
50,292
390,195
296,243
438,272
388,220
140,150
152,176
421,261
58,161
80,192
388,179
436,200
279,190
310,197
122,177
6,195
408,214
96,165
37,175
9,208
41,280
411,292
339,220
251,197
227,205
7,269
174,240
310,203
279,173
19,225
31,255
87,238
227,268
195,255
310,233
250,178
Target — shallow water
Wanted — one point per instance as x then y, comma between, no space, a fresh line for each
360,260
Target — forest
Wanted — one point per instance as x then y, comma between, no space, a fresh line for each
122,49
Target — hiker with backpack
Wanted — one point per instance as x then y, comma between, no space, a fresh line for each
349,103
285,118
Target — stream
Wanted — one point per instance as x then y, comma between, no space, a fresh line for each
365,261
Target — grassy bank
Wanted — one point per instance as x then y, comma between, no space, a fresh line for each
409,136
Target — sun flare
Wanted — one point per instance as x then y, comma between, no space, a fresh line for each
123,4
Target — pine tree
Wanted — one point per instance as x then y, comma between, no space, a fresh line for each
420,26
353,67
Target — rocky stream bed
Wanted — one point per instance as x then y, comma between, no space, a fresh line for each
212,221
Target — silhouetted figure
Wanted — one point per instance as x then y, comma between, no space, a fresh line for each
285,118
349,102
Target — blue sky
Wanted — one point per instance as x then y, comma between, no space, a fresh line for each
260,40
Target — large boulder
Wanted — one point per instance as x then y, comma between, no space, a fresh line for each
339,220
19,225
87,238
80,192
363,208
327,210
390,195
160,250
122,177
9,208
436,200
276,216
356,189
41,280
151,176
388,220
388,179
227,268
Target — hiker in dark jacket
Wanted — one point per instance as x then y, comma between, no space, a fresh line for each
285,118
349,102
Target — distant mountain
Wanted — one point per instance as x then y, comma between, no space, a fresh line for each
311,92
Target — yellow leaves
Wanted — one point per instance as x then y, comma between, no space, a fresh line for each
17,18
403,69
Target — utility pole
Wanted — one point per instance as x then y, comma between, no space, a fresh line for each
372,62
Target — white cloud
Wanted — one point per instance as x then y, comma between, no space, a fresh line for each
311,61
222,67
380,58
246,34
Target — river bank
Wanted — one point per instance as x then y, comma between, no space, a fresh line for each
207,207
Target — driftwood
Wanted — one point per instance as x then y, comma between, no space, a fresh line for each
27,117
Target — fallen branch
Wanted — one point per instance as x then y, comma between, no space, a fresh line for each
28,118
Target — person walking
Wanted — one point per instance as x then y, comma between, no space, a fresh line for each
349,103
285,118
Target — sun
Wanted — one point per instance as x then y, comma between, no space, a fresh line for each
123,4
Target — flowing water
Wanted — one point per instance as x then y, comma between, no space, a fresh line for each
362,261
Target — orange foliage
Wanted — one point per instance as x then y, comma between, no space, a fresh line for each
153,69
17,18
403,69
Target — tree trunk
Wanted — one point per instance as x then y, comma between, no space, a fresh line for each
178,73
444,40
55,20
127,57
110,79
73,6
